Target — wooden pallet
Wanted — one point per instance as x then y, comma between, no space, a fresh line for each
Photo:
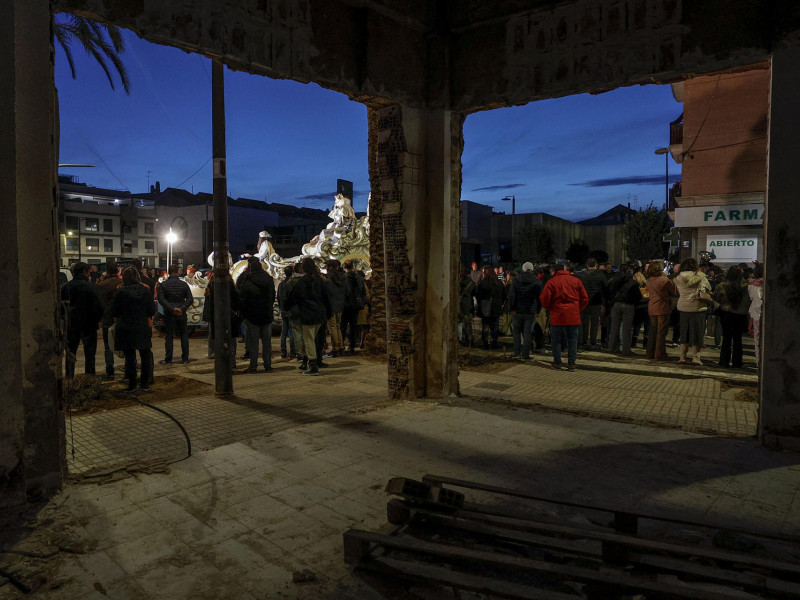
441,539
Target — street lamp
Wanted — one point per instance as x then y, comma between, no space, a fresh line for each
513,200
665,152
171,239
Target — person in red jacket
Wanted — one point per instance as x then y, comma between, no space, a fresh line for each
565,297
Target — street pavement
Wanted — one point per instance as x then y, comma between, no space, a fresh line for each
278,473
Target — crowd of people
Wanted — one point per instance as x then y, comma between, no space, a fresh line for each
324,315
602,307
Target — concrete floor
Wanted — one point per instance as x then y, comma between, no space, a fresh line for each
278,474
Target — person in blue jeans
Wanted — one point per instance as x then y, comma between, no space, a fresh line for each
523,301
175,298
564,295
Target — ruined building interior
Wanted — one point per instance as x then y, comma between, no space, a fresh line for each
420,66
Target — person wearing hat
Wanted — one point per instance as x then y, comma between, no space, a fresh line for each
263,245
523,302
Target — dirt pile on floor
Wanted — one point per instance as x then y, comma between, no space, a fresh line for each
86,394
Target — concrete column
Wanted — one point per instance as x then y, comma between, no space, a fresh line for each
418,185
32,425
779,419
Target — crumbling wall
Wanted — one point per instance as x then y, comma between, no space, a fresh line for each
377,336
596,46
391,157
32,445
334,44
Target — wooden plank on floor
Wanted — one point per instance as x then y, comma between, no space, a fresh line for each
617,578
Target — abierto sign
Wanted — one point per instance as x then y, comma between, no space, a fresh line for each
718,216
733,248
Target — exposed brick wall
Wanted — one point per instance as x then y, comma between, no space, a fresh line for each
388,143
376,338
725,133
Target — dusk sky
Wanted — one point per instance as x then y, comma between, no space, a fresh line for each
288,142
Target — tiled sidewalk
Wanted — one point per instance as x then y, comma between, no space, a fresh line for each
690,404
264,403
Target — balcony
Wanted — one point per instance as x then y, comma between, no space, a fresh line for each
676,133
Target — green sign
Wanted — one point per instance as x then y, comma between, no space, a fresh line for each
718,216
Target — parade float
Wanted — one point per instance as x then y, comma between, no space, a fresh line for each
346,237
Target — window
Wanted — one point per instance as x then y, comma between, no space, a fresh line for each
108,246
92,244
72,244
92,224
126,228
127,247
72,223
149,228
150,247
108,226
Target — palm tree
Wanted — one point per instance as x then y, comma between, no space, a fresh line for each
92,36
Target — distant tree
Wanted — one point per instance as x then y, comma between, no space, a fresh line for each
577,252
601,256
643,233
91,35
534,244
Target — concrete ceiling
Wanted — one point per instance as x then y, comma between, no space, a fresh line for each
462,54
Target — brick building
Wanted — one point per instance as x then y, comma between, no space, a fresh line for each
723,154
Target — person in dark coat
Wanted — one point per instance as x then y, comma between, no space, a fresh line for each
489,294
466,307
151,283
354,301
108,289
286,316
84,311
175,298
236,320
523,301
256,298
310,298
133,309
335,285
624,293
596,284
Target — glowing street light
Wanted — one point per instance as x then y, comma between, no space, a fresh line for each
171,239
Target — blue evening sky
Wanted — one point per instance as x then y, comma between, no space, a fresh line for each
288,142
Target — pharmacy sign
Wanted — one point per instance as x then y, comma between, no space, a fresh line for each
718,216
733,248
